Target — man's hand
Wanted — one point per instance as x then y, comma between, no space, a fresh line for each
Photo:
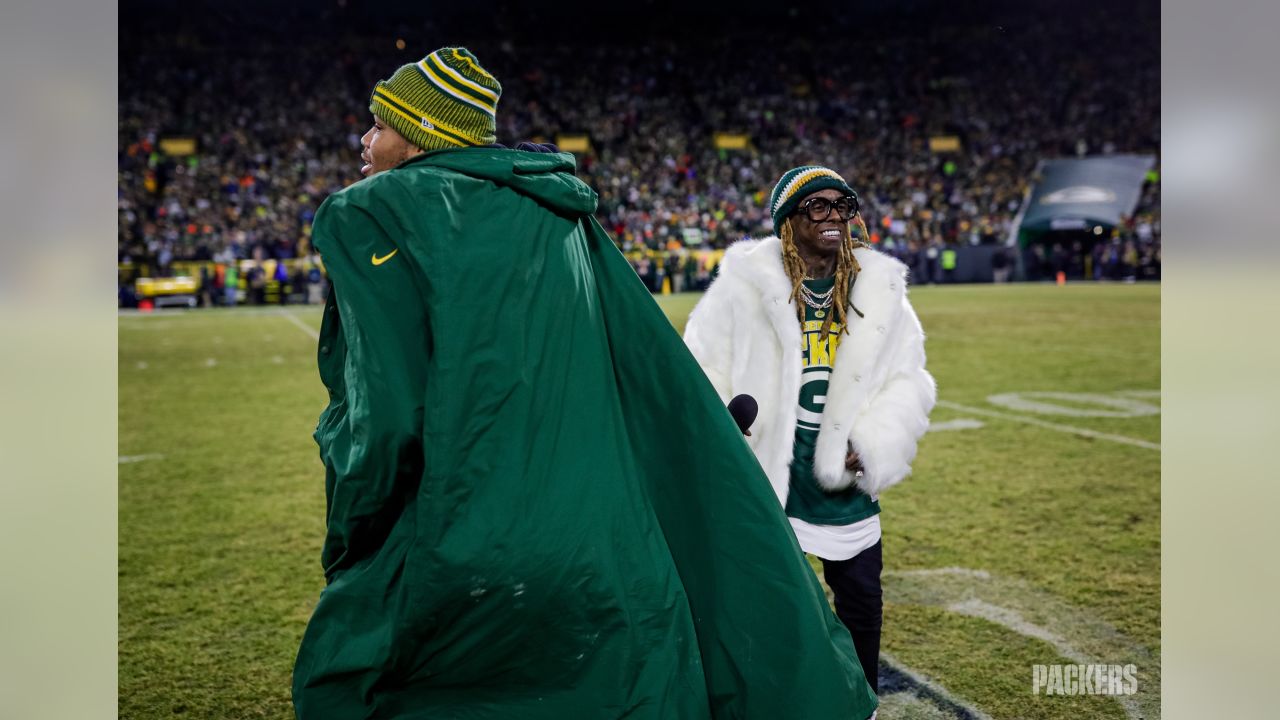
851,461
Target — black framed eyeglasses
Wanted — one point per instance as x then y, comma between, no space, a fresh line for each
819,208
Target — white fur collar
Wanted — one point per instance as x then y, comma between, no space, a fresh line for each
877,293
760,262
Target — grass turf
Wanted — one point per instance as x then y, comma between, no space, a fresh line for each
221,504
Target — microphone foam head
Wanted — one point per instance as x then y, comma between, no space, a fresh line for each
743,408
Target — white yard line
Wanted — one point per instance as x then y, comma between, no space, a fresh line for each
1083,432
957,424
136,458
929,572
1012,619
310,331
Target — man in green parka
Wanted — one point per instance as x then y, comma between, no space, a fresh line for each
537,505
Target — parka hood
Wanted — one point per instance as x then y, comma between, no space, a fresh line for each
546,177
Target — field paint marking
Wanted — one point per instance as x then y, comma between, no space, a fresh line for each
142,364
928,572
1011,619
1034,613
278,360
1118,405
311,332
136,458
933,690
211,362
1084,432
958,424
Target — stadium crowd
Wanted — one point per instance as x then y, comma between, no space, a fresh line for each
270,145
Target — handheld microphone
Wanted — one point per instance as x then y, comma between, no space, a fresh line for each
743,408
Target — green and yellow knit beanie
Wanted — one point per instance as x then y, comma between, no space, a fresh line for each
797,184
444,100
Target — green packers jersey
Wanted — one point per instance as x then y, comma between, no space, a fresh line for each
807,500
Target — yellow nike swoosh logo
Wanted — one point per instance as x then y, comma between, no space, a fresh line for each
379,260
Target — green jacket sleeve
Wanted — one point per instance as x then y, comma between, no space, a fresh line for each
372,347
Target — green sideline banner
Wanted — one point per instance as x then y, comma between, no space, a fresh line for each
1083,194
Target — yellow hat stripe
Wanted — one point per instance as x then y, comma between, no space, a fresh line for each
440,84
416,121
799,180
382,89
435,56
463,58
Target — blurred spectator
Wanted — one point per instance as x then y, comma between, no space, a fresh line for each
1000,265
257,284
232,285
316,291
206,287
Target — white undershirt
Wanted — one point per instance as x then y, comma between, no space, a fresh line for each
837,542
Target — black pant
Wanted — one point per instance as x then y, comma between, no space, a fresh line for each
860,604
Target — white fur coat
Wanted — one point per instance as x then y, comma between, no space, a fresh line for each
745,335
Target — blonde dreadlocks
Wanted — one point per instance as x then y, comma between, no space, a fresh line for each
847,270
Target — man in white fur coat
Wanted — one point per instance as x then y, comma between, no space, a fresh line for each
816,326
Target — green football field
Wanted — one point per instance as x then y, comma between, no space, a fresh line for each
1028,534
